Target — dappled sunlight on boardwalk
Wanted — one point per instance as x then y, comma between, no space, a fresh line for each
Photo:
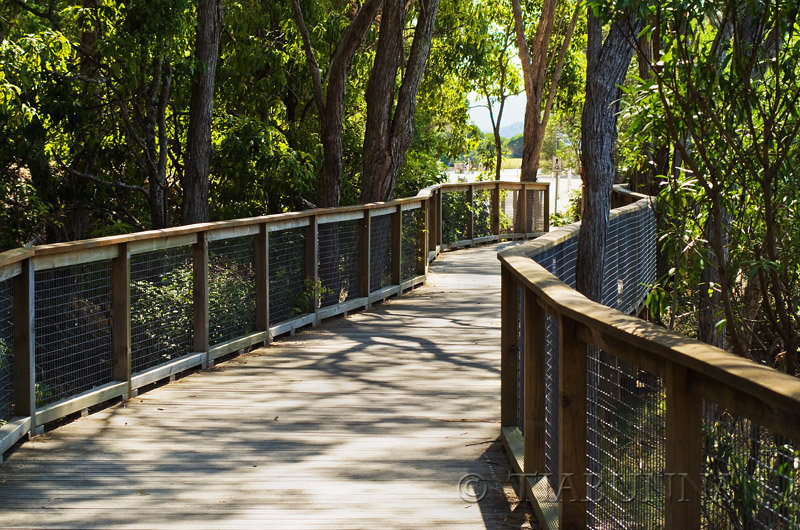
368,421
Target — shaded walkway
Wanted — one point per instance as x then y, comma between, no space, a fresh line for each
365,422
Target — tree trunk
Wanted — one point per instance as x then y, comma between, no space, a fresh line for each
330,104
388,135
198,140
534,68
606,66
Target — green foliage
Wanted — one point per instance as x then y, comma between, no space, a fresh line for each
749,469
5,355
572,213
167,311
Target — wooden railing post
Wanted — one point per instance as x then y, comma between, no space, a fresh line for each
364,246
262,279
312,262
470,212
534,367
496,209
439,228
397,243
24,350
684,451
121,316
430,223
422,241
546,208
509,349
200,295
571,426
523,211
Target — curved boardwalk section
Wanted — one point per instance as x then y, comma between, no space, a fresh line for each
368,421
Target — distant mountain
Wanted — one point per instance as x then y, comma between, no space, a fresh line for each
509,131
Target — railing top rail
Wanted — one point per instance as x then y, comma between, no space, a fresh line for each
757,391
14,256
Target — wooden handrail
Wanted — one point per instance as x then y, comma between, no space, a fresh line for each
691,371
713,372
13,256
22,265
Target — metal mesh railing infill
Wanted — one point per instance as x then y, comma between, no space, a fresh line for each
409,258
72,330
613,408
231,288
482,213
161,306
289,294
455,212
6,351
380,252
508,210
625,445
751,474
338,261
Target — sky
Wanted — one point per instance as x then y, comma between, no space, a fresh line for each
513,112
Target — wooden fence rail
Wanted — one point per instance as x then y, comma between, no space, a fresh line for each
85,314
701,391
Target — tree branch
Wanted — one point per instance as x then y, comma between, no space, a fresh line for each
96,180
313,66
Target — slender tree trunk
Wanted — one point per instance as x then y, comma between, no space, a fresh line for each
534,68
330,101
198,141
606,66
388,135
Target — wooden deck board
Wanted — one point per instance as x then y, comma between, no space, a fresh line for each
368,421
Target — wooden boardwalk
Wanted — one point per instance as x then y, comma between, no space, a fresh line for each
368,421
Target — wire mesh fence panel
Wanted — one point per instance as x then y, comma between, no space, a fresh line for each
535,210
289,294
454,216
751,474
626,446
72,330
554,261
6,352
409,255
508,210
338,261
380,252
482,213
161,306
231,288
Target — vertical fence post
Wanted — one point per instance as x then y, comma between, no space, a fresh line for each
24,350
262,280
572,426
200,295
439,228
471,213
422,241
534,367
312,262
496,209
430,223
684,451
121,315
397,243
509,348
364,247
546,208
523,211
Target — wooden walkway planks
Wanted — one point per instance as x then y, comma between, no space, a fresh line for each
365,422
